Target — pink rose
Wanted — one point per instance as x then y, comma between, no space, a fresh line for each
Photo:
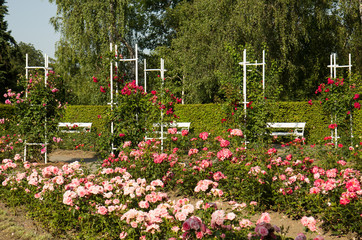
102,89
224,143
123,235
102,210
172,130
195,224
186,226
265,217
263,231
304,221
236,132
314,190
203,135
301,236
357,105
184,132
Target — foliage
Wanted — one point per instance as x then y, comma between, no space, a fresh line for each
129,195
120,22
313,115
299,37
97,115
197,52
84,41
203,117
252,115
193,37
7,42
37,113
35,58
207,117
340,98
134,111
6,111
357,121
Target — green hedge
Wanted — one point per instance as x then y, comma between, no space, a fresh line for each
6,111
88,113
316,127
203,117
207,117
357,125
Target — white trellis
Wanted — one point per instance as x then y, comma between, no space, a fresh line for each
245,63
118,59
46,69
162,71
333,66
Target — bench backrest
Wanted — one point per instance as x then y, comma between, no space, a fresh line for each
286,125
183,125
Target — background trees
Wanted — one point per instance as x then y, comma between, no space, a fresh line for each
12,56
198,40
7,43
299,36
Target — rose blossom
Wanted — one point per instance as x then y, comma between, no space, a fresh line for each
203,135
263,231
301,236
123,235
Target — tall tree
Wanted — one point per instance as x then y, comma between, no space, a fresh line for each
198,51
7,73
87,28
151,22
35,57
300,35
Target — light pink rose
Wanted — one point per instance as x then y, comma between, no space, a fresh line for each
263,231
123,235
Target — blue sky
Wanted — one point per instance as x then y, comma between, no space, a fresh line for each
28,21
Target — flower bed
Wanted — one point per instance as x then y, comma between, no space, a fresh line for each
129,196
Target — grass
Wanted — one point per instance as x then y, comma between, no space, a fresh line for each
18,227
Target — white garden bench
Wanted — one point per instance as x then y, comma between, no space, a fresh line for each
74,127
297,127
179,125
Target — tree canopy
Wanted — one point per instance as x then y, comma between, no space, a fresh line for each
299,37
200,41
7,42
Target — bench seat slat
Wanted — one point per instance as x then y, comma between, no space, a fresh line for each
286,134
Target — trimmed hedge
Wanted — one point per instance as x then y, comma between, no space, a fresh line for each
207,117
88,113
316,127
203,117
6,111
357,125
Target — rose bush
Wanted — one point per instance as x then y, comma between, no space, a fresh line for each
129,195
37,114
340,98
